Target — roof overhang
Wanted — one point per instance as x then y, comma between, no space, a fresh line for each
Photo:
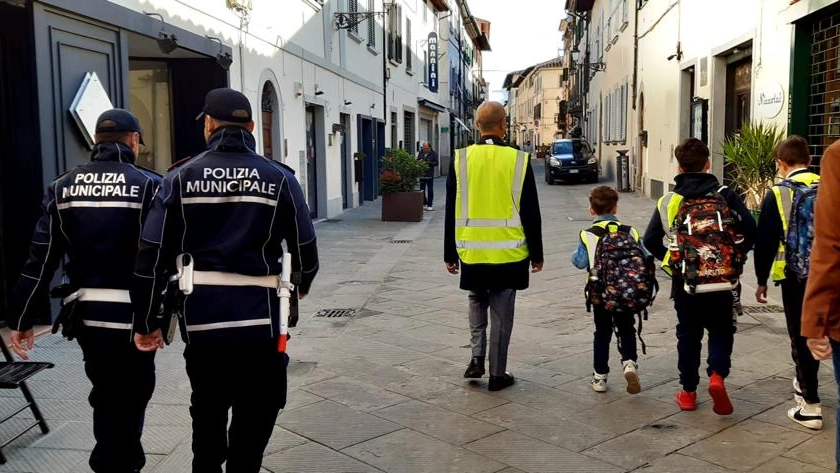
439,5
481,42
431,105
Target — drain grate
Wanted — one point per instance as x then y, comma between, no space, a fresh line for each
402,242
333,313
763,309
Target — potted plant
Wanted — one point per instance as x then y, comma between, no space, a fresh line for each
397,183
750,153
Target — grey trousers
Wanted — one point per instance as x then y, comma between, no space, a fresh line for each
500,304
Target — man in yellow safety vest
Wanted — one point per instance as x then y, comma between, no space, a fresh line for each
493,235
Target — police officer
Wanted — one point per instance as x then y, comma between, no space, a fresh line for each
493,236
93,215
219,221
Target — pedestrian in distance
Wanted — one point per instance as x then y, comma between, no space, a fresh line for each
218,226
92,215
820,317
785,218
709,231
621,283
528,147
427,182
493,237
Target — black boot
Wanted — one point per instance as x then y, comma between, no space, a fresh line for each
498,383
475,368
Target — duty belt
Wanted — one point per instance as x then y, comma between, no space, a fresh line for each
90,294
217,278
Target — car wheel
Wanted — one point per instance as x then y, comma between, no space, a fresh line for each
548,179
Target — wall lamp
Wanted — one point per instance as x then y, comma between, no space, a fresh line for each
348,20
166,42
347,103
595,66
223,58
318,90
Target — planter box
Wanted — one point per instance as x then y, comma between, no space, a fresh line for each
402,207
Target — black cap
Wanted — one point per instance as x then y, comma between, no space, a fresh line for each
117,120
228,105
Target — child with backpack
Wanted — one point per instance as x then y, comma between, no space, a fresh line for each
709,231
621,284
782,252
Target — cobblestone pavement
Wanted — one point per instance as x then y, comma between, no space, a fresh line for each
382,389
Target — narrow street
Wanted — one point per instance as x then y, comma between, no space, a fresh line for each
376,384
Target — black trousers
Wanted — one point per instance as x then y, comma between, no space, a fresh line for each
123,380
696,314
427,185
624,325
793,294
248,379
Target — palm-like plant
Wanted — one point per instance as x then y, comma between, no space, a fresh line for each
751,155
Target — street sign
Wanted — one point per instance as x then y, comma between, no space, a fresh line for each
432,80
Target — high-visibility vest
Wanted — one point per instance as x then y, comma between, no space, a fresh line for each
669,205
590,240
784,202
489,181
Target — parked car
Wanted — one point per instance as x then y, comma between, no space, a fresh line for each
570,159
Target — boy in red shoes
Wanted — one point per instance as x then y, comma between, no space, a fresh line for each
709,231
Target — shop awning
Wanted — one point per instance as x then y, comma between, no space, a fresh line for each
431,105
463,125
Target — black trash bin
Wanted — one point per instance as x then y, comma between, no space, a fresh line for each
622,171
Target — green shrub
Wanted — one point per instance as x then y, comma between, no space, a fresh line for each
400,172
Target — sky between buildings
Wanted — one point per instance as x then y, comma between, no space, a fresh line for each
522,33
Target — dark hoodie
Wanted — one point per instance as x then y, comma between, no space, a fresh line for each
697,184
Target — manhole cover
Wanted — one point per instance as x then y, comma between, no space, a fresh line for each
402,241
763,309
332,313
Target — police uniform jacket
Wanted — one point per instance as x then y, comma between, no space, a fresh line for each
229,209
92,214
497,276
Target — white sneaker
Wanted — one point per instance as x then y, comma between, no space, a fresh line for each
632,378
599,383
797,393
808,415
429,207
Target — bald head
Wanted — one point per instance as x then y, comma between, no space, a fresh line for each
490,119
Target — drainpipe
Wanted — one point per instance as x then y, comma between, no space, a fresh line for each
637,179
384,70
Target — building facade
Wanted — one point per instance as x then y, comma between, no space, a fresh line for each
540,99
655,65
333,84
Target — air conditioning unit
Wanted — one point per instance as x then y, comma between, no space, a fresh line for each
241,6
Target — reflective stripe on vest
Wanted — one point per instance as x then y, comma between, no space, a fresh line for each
784,203
590,240
669,205
488,228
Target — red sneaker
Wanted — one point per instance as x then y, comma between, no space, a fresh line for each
720,400
687,400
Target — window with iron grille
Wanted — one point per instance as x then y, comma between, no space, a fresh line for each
408,132
371,27
353,7
824,93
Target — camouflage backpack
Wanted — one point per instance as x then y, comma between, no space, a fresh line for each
622,278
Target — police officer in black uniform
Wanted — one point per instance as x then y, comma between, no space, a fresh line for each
218,222
93,215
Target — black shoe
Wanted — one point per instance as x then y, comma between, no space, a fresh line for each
475,368
497,383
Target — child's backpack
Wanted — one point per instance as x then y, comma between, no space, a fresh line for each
622,278
706,245
800,232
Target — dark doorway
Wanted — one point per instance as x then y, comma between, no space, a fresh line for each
366,147
346,182
268,104
738,94
380,152
311,163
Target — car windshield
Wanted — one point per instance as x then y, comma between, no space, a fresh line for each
566,147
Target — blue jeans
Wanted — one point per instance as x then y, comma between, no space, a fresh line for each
835,347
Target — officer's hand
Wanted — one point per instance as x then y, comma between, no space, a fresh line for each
820,348
536,267
761,294
22,342
149,342
452,267
301,295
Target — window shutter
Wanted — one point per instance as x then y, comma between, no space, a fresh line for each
408,44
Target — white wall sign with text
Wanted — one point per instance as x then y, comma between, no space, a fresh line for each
769,100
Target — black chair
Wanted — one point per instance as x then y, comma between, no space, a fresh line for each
13,375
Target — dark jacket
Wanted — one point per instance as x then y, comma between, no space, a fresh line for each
821,309
497,276
770,234
697,184
93,215
230,209
431,159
